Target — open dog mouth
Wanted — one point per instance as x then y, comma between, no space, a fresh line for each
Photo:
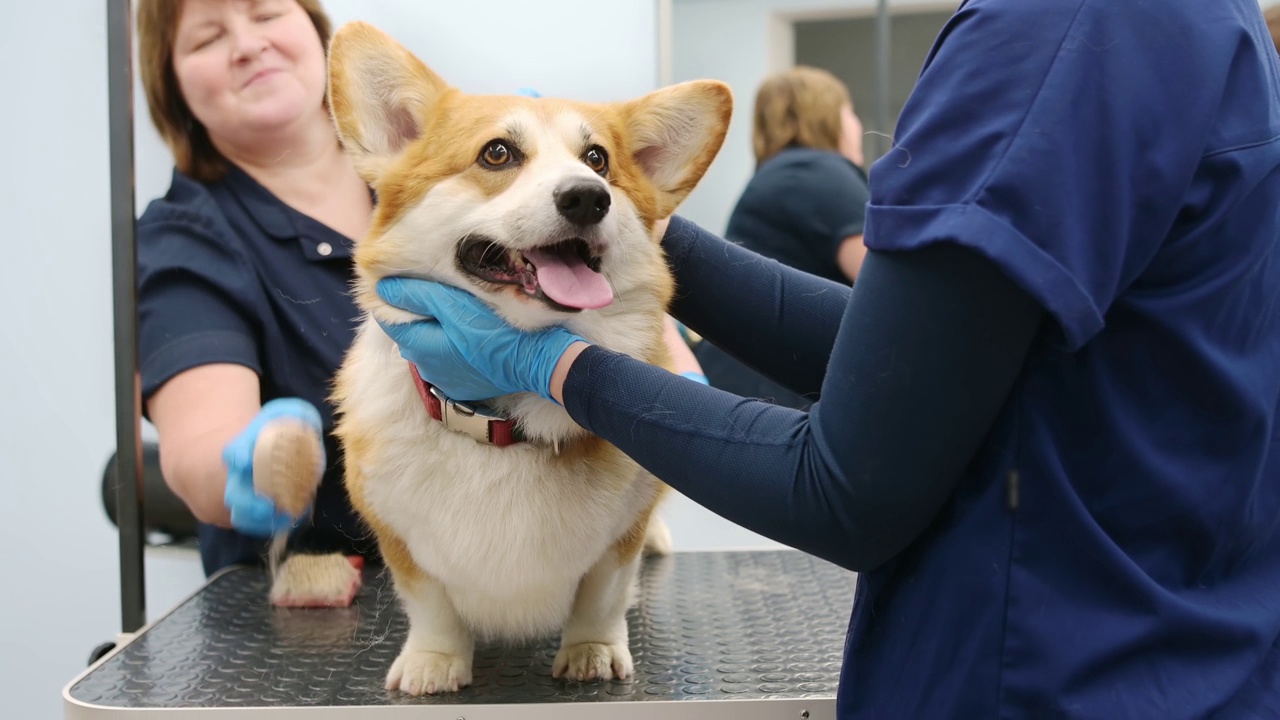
565,275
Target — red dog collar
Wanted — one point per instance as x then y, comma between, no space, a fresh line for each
477,422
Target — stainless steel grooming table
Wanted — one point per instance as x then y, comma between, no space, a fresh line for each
743,635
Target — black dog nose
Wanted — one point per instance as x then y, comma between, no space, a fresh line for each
582,202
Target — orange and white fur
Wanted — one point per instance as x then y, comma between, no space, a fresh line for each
545,535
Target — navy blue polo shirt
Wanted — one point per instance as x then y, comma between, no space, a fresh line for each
799,207
228,273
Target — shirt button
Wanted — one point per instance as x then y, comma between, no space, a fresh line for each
324,248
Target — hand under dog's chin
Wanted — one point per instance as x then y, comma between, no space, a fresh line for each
521,312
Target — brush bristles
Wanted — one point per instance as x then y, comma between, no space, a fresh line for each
288,464
315,581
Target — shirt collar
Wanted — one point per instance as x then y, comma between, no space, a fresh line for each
267,210
281,222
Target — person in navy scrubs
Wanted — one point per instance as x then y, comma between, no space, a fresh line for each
1046,434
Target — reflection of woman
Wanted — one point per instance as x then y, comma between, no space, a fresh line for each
805,205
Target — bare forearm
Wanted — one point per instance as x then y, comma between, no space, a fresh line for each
682,357
850,256
196,414
195,472
562,369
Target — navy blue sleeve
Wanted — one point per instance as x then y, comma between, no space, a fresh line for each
196,295
778,320
1039,135
930,343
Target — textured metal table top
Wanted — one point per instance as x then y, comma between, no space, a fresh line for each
708,626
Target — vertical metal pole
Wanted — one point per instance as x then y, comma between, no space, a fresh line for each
665,11
124,273
883,122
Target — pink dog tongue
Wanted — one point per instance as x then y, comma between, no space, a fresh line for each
567,280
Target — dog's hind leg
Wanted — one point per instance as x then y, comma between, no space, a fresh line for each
657,537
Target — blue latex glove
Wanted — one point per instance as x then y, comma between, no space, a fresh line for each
695,376
252,513
464,348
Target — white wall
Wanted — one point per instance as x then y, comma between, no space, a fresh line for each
59,597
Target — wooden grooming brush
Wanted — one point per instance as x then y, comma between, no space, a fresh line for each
288,464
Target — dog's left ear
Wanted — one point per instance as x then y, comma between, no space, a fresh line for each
675,133
380,96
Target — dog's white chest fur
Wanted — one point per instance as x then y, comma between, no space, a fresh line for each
509,532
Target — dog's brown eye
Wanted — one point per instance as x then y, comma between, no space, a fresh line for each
496,154
597,159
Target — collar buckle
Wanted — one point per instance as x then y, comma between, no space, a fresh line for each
477,422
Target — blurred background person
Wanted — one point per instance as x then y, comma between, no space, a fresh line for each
805,205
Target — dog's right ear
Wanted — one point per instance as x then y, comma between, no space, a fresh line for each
379,95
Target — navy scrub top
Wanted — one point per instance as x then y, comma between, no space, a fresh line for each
1114,551
228,273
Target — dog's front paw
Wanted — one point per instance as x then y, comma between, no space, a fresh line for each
586,662
419,672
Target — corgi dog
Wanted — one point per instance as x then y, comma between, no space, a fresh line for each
507,521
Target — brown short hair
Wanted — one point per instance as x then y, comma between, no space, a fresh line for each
1272,14
798,107
193,152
